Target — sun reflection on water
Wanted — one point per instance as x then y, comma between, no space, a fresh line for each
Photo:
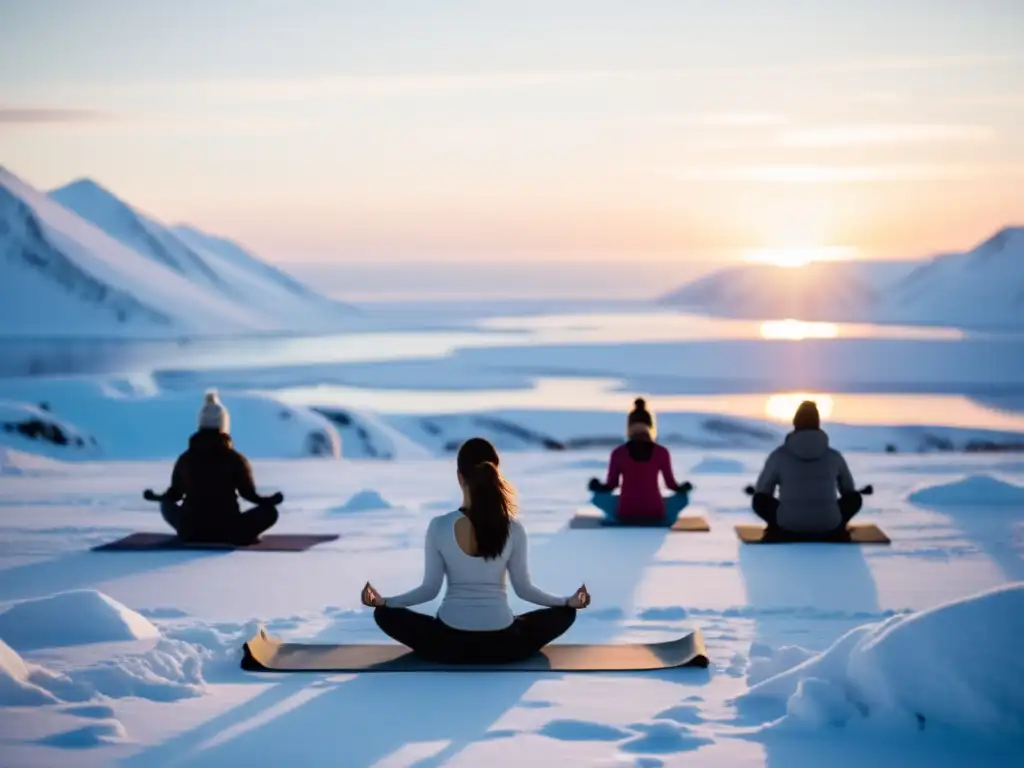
781,407
798,330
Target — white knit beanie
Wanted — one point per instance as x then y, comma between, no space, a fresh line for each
213,415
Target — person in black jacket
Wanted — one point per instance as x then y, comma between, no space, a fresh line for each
201,503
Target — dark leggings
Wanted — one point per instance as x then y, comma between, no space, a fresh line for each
767,508
432,639
234,528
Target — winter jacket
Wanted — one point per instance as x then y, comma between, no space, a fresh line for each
808,474
636,465
210,476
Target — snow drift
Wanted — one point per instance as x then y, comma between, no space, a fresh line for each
957,666
72,618
973,490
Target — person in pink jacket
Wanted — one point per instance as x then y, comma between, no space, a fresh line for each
635,466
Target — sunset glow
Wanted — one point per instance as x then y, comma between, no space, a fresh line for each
782,407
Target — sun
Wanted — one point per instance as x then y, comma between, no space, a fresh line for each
794,258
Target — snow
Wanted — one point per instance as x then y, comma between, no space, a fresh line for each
773,621
954,666
973,490
71,618
716,465
364,501
81,262
120,420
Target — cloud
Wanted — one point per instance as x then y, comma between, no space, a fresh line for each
735,120
41,115
862,135
819,174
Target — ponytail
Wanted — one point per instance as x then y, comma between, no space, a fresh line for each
491,498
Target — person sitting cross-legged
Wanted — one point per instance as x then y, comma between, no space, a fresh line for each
201,504
817,495
473,548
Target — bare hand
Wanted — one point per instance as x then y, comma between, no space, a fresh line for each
370,597
581,599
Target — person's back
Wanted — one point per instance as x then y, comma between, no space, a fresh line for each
810,476
202,500
474,548
635,467
639,463
210,473
476,595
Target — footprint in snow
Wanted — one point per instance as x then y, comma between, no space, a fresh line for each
662,737
582,730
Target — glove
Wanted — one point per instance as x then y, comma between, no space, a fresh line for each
276,499
749,490
148,495
686,487
595,485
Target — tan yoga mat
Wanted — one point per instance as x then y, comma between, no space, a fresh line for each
857,533
270,542
265,653
687,524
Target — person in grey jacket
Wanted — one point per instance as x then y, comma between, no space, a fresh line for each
817,495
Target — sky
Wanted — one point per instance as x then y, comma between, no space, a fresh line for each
619,132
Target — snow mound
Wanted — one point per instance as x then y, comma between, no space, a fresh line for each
364,501
713,465
16,687
973,490
956,666
19,464
72,618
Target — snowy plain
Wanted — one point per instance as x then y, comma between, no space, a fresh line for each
131,658
905,655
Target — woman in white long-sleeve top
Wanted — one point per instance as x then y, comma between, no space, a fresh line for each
474,547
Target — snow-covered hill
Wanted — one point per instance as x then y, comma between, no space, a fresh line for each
61,276
825,291
983,288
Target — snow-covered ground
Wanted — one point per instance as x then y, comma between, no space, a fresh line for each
132,658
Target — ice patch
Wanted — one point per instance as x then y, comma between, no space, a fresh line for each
72,618
89,736
713,465
973,490
956,666
363,501
683,713
97,711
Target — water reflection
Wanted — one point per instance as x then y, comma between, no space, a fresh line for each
594,394
781,407
798,330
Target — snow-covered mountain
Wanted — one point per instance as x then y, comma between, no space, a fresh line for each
983,288
825,291
60,275
81,262
213,262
